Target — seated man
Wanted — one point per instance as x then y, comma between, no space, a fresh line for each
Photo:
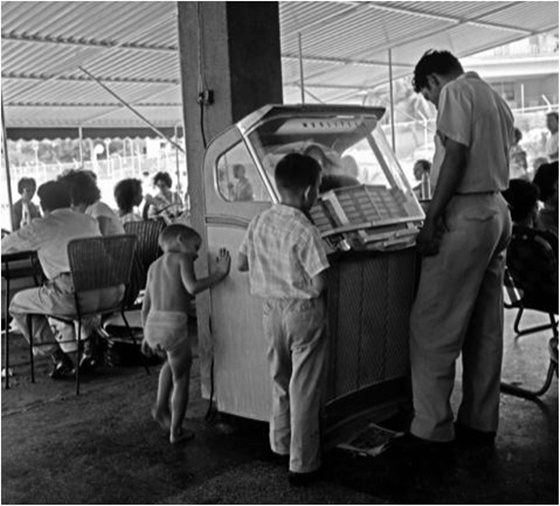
49,236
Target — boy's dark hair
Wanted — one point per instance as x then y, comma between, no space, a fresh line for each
26,182
545,177
434,62
164,177
522,197
553,114
297,172
172,232
517,134
54,195
125,192
82,187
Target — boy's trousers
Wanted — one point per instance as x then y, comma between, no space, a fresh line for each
459,309
297,356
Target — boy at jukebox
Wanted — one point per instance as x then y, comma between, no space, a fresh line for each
285,257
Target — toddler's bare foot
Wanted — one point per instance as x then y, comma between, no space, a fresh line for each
181,435
162,418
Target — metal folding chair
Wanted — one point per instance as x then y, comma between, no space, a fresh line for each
531,282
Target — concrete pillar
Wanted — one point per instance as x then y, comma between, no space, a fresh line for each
232,49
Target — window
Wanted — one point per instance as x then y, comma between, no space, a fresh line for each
238,179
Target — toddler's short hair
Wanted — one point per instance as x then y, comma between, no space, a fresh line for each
172,232
297,172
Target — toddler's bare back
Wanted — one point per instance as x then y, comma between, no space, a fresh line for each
165,283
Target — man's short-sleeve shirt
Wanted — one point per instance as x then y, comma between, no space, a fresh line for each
285,251
471,113
49,236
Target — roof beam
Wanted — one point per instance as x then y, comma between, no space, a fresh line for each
344,61
457,20
16,75
84,42
346,10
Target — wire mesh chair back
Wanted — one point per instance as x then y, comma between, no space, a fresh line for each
101,262
147,233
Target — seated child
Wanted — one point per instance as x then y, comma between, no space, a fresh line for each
170,286
286,260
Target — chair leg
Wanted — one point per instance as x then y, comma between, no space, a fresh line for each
537,328
31,358
7,335
78,355
508,388
134,341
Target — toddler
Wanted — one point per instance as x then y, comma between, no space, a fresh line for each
170,286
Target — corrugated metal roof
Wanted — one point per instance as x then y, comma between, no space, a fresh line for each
133,48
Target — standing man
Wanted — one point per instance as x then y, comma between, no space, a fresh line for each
458,306
552,141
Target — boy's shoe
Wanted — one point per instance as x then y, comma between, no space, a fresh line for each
302,479
278,458
468,435
62,369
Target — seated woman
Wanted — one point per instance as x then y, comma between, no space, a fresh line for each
128,194
166,203
23,211
86,199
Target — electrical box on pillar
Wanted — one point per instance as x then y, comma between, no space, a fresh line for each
368,217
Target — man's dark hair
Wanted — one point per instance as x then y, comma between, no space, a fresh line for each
82,187
545,177
125,193
164,177
26,182
434,62
522,197
54,195
553,114
297,172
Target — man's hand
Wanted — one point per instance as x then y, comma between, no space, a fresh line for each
429,238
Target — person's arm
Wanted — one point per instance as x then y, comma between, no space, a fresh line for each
104,225
319,282
242,262
450,176
193,285
146,302
26,238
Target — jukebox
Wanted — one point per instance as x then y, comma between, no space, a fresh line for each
368,217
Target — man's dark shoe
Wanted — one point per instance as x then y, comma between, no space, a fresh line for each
302,479
467,435
62,369
411,445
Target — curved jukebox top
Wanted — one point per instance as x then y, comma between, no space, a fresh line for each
366,200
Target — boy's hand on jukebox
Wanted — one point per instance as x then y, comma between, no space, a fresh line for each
223,262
